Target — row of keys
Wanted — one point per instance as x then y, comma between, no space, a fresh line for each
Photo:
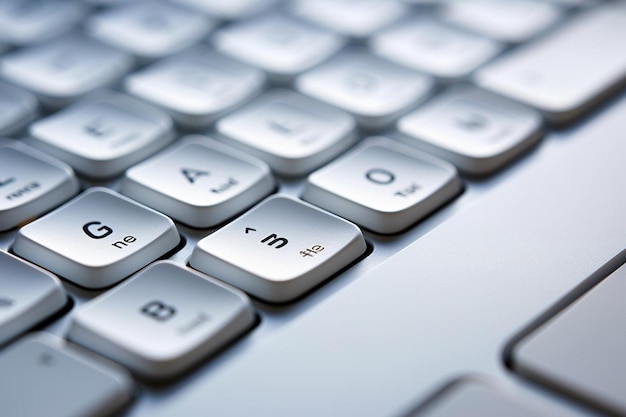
201,85
202,183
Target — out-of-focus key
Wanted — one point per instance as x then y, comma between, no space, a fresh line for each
279,250
196,87
505,20
63,70
97,239
31,183
434,47
565,73
104,134
477,131
42,375
27,295
149,29
375,91
581,350
17,109
27,21
229,10
474,398
200,183
383,186
163,320
356,18
280,45
294,134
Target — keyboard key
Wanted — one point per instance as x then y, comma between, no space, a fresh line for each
279,250
229,10
472,397
27,21
292,133
148,29
383,186
97,239
63,70
375,91
200,183
17,109
435,48
163,321
356,18
196,87
31,184
44,376
580,351
104,134
28,295
550,73
505,20
477,131
280,45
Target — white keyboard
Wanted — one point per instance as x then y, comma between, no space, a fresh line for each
196,197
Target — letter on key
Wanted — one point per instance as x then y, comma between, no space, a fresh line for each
97,239
280,249
163,320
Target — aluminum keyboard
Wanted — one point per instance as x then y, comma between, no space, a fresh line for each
267,155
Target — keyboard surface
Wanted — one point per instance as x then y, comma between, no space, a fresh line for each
365,207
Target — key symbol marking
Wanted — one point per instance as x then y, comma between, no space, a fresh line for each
105,230
158,310
7,181
193,174
274,239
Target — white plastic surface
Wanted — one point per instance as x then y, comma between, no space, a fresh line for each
293,133
42,375
383,186
97,239
104,134
475,130
163,320
31,183
374,90
29,295
279,250
196,87
199,182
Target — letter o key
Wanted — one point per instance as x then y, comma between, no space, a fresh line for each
380,176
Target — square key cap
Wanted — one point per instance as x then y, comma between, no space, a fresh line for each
17,108
31,183
149,30
280,249
293,133
42,375
97,239
384,186
104,134
163,320
373,90
28,295
200,182
477,131
64,69
280,45
197,86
